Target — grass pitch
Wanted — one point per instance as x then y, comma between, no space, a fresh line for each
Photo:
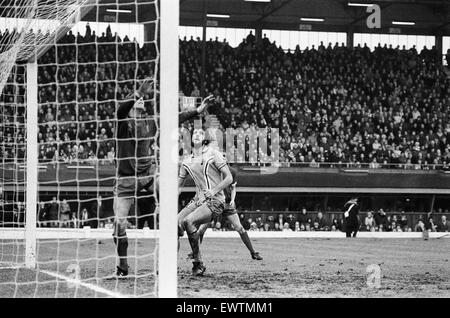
292,267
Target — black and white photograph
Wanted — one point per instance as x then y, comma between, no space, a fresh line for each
241,151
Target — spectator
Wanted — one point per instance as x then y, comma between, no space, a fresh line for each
286,227
65,215
443,225
369,221
321,223
316,226
337,225
308,227
420,226
281,220
96,212
42,214
271,222
241,217
277,227
217,226
303,217
381,219
431,226
53,213
109,223
259,223
84,218
253,226
248,224
403,222
75,220
291,220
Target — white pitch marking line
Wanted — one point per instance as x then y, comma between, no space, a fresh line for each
87,285
10,267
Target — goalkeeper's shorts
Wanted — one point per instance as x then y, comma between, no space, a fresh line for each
132,186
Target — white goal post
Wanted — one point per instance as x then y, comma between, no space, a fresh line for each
32,164
167,253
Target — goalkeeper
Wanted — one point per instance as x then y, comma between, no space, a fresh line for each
135,170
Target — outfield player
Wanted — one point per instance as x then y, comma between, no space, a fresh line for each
230,214
211,175
135,135
351,221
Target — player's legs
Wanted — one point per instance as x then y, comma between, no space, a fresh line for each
201,233
145,198
124,194
192,223
202,229
122,206
188,209
233,218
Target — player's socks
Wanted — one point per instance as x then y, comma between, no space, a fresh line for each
195,246
121,240
247,242
122,247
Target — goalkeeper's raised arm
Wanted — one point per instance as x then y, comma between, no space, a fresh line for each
186,115
138,97
147,88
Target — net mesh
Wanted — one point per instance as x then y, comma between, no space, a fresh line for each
82,81
26,20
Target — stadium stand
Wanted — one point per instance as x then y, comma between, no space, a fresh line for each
334,106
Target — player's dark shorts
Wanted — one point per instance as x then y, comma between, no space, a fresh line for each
228,210
130,186
351,225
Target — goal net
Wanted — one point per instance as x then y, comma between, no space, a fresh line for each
66,67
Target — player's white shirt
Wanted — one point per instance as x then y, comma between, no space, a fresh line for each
205,170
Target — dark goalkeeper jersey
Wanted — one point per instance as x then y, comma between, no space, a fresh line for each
134,140
129,159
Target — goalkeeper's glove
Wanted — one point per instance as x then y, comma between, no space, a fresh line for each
145,88
205,104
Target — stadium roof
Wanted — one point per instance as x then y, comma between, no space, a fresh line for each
431,17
